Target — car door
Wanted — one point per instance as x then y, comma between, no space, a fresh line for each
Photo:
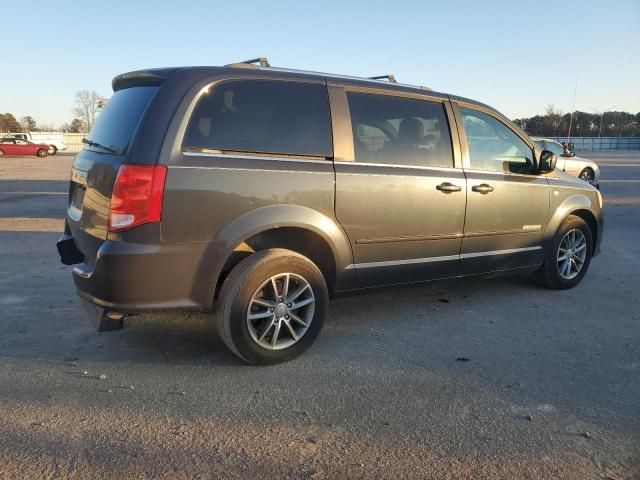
400,188
507,202
24,147
9,147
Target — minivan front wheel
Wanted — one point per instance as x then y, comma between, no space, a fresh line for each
569,257
272,306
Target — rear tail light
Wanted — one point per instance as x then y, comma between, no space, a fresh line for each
137,196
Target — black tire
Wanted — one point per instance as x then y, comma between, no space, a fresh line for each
42,153
236,294
549,274
1,153
587,175
53,149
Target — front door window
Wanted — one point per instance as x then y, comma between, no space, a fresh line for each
495,147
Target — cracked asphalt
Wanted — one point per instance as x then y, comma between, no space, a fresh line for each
551,388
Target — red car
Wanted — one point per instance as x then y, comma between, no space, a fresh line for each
12,146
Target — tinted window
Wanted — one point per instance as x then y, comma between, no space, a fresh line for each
396,130
262,116
116,124
494,146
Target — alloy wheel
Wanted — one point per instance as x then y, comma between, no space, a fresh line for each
280,311
572,253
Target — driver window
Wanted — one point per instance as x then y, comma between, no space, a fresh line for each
493,146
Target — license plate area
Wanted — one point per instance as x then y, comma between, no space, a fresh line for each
77,198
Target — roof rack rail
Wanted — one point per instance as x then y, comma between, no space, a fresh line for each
261,60
391,78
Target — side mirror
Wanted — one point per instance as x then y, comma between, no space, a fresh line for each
547,162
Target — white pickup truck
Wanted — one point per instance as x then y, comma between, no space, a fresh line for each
54,139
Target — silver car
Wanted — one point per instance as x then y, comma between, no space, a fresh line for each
587,170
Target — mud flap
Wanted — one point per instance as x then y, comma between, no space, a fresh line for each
103,319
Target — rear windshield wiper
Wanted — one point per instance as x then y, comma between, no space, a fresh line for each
91,143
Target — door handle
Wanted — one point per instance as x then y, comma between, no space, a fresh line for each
447,187
483,188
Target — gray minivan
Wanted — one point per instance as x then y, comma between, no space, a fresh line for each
262,191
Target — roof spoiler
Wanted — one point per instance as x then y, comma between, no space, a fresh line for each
142,78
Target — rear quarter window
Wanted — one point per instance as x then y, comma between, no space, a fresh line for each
262,116
116,124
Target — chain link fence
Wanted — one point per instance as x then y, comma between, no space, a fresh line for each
73,141
602,143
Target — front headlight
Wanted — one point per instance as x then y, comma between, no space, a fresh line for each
599,198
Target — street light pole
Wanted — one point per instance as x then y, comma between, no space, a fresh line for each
598,112
601,117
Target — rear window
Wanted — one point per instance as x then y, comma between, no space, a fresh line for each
262,116
115,125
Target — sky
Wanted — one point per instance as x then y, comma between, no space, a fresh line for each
516,56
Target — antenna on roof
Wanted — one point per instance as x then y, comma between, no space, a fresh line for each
261,60
391,78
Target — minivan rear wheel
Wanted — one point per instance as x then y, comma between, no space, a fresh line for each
568,259
272,306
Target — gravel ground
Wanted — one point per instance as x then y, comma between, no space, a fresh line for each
551,388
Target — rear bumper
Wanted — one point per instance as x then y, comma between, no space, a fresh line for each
135,277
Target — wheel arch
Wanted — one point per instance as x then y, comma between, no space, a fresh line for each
301,229
590,220
579,205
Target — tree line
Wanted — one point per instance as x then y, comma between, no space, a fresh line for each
552,124
583,124
87,106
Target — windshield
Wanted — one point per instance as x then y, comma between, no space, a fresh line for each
555,148
116,124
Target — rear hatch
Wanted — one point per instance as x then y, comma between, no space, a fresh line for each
95,168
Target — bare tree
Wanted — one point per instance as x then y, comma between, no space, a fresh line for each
28,123
87,106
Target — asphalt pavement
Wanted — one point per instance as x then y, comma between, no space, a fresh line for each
477,378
